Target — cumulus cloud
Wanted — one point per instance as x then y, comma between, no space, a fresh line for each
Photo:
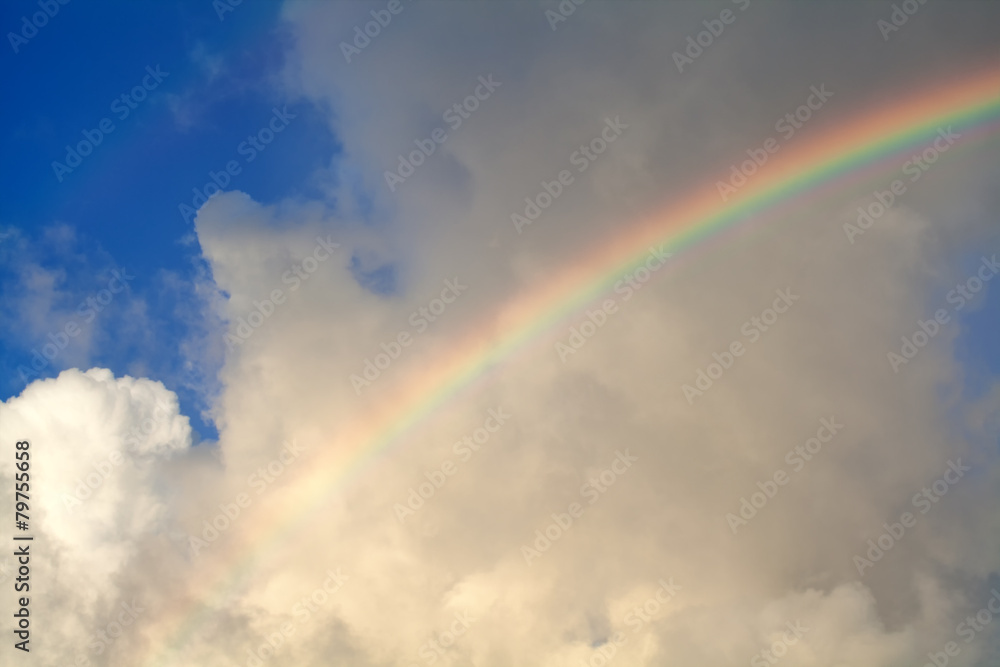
98,445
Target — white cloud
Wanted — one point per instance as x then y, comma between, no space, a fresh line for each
97,450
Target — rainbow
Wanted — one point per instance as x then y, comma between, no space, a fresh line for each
852,151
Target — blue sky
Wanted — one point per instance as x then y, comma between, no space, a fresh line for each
122,200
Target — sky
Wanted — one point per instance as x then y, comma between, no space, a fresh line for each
415,332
